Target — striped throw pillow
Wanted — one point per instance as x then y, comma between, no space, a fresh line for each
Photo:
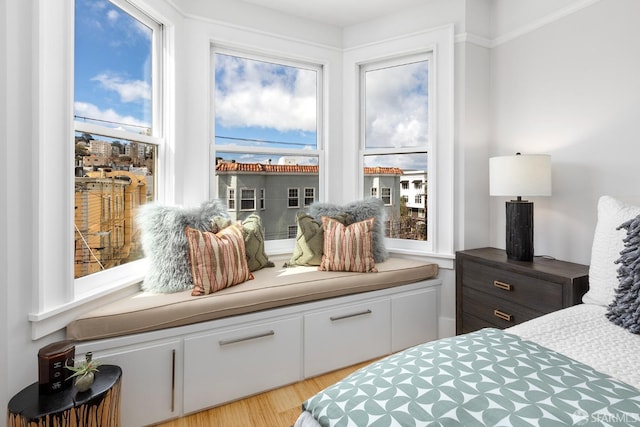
218,260
348,248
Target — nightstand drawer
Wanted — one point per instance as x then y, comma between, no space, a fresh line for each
532,292
493,291
496,311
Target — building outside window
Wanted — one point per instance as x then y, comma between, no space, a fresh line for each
292,231
386,196
293,199
309,196
262,198
247,199
231,198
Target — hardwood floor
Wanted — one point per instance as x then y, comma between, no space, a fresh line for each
275,408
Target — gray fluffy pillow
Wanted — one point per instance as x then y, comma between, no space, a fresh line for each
165,243
359,210
625,308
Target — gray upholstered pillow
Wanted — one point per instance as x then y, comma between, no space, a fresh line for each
310,239
359,210
625,308
165,243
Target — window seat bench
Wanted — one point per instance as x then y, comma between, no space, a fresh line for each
181,354
271,288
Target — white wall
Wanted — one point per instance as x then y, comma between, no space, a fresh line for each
4,208
570,88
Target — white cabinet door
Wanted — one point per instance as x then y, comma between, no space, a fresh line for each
150,381
234,363
414,318
346,335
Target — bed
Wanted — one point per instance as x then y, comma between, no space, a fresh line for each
576,366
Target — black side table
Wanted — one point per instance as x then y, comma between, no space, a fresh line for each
97,407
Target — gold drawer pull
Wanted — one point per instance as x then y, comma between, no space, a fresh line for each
502,285
502,315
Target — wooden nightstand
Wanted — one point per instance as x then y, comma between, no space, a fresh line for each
492,291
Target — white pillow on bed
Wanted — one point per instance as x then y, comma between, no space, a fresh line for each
607,244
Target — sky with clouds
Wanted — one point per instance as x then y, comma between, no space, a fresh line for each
266,104
256,103
112,66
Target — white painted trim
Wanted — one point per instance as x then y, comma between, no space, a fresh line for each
474,39
245,28
545,20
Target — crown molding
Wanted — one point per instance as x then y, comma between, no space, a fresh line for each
545,20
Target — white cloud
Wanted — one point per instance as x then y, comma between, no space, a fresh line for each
258,94
397,107
129,90
109,117
112,15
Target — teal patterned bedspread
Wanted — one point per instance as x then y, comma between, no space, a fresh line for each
485,378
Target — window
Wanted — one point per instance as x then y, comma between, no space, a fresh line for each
292,231
293,201
267,132
386,196
62,71
395,134
231,198
247,199
309,196
118,129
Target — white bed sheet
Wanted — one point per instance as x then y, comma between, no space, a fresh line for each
581,332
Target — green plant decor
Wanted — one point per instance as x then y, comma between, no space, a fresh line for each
84,373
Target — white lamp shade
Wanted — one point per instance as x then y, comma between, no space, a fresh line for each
520,175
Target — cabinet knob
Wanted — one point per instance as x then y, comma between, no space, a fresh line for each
502,315
502,285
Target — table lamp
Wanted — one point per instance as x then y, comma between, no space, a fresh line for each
520,175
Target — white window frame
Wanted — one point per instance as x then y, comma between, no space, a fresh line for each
374,192
253,199
296,197
400,60
382,196
231,198
312,196
292,231
283,58
263,198
439,42
57,296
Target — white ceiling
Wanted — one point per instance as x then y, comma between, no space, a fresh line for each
338,13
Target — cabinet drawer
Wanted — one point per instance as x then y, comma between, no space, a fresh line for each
472,323
346,335
227,365
414,319
496,311
537,294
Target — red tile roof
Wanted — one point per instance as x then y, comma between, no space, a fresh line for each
259,167
266,168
